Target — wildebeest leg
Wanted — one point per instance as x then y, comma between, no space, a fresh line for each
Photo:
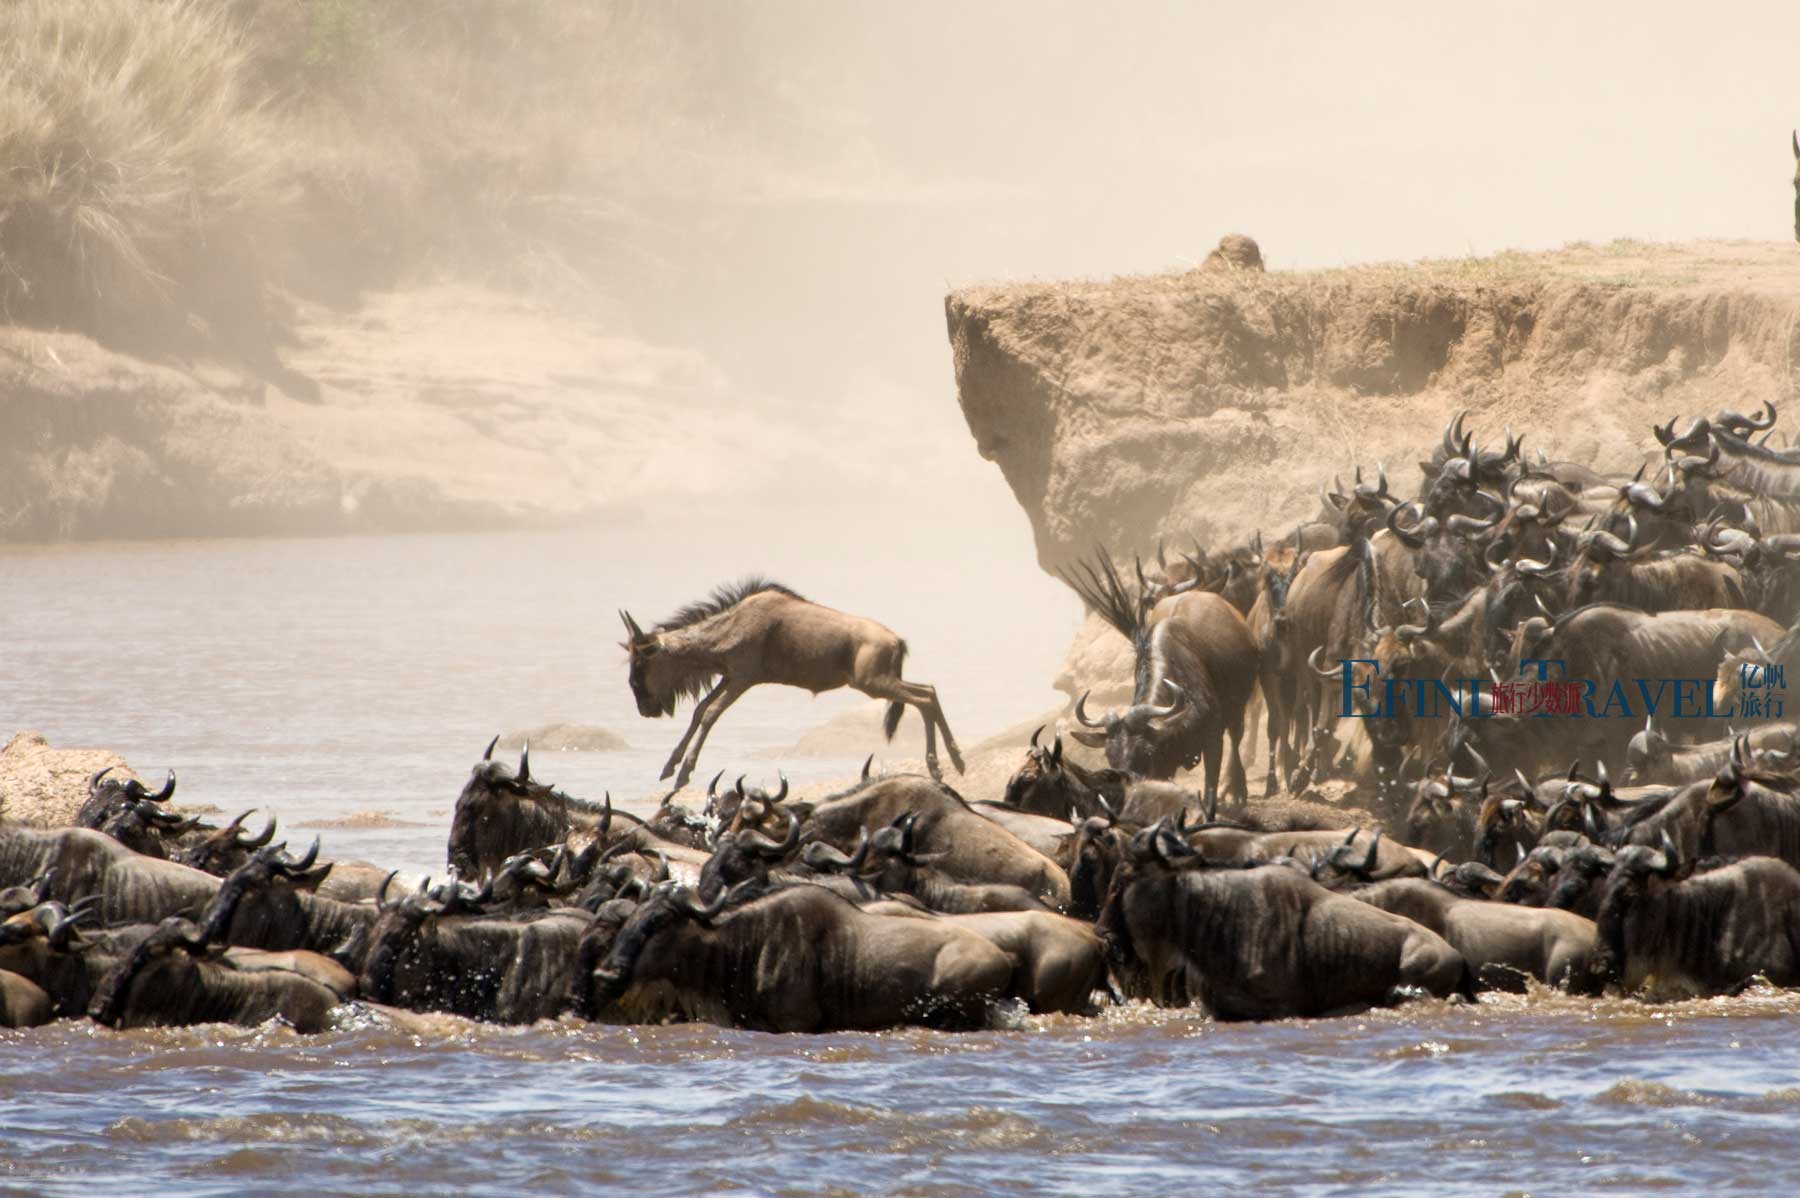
705,702
1210,755
704,722
1236,784
924,697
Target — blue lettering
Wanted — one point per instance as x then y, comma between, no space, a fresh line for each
1348,711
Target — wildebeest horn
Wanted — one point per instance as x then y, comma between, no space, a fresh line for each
525,763
1161,713
712,788
869,761
1452,432
783,792
1468,525
763,846
701,911
168,789
1081,712
1313,661
1671,854
94,782
260,839
381,895
1034,736
289,865
1524,782
488,755
1412,538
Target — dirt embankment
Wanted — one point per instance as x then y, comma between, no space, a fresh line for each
1214,404
437,408
42,786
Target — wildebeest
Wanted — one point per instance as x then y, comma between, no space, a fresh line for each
432,955
1260,943
173,977
797,959
1708,933
1197,650
1048,784
1503,944
502,812
969,848
755,632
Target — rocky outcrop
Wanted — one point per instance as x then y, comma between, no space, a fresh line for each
42,786
1215,403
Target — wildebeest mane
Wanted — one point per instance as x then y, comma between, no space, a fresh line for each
1103,591
723,598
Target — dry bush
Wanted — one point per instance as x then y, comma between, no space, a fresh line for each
140,179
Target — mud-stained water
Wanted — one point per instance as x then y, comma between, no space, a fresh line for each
1515,1096
337,677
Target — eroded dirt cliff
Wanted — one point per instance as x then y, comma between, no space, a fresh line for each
1214,404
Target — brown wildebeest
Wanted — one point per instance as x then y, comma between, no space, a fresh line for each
760,631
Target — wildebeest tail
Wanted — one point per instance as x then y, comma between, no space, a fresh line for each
890,723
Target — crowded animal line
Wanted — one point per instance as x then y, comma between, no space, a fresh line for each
1389,858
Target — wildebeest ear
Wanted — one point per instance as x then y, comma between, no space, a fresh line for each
311,878
1426,469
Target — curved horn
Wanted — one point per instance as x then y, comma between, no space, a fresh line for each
488,753
869,761
525,763
168,789
712,788
1313,661
1081,712
94,782
1163,713
1034,736
783,792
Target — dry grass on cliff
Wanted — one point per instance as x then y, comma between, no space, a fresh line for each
133,165
173,169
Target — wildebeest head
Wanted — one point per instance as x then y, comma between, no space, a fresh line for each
657,680
256,903
221,851
1146,739
108,796
162,962
663,909
144,827
745,856
502,811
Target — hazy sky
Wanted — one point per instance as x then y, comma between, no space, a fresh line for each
829,171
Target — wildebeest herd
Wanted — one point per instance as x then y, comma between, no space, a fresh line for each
1400,849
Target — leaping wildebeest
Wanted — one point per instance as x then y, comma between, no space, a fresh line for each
758,631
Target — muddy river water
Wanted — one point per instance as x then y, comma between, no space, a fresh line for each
328,679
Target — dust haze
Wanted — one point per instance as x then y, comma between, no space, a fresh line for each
756,212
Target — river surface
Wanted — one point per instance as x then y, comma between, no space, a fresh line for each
328,679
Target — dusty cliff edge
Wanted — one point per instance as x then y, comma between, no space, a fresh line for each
1213,404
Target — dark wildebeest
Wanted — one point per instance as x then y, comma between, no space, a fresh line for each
799,959
1198,649
1048,785
1708,933
172,978
758,631
434,955
1260,943
502,812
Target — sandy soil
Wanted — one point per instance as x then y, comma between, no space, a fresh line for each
42,786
